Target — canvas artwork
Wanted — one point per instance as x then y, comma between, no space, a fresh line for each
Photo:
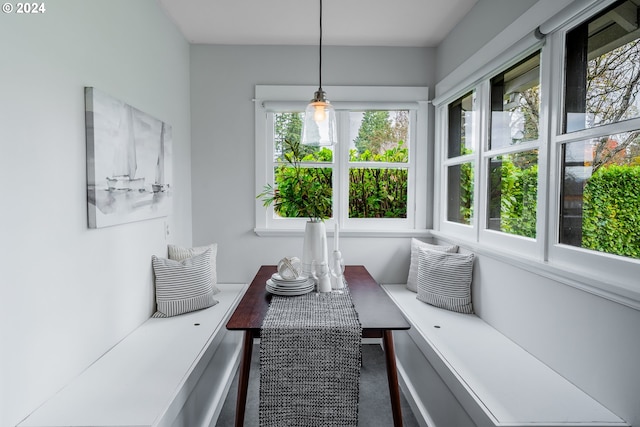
128,162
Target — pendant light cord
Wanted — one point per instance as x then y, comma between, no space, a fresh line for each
320,50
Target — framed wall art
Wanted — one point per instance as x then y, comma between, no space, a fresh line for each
128,162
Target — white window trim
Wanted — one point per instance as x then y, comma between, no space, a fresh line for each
288,98
609,276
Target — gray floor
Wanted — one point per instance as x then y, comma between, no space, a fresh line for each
374,409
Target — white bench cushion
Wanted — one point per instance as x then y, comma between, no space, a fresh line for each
484,369
141,379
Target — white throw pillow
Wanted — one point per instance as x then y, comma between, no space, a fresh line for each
179,253
416,245
183,286
444,280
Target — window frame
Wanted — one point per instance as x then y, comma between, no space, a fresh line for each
346,165
270,98
466,231
495,238
592,263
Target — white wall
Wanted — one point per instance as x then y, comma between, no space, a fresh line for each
223,154
70,293
591,341
483,22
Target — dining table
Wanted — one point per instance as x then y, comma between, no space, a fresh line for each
377,313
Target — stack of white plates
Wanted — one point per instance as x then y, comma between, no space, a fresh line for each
289,287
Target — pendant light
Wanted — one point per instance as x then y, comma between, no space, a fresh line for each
319,127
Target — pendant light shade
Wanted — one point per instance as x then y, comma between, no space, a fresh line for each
319,127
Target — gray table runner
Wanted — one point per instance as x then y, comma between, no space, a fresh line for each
310,352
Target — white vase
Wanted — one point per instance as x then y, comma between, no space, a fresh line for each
314,247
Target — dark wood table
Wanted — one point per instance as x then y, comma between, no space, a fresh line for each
378,315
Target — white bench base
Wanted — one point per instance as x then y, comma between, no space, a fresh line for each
168,372
459,371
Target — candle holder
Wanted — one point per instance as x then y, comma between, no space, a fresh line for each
320,272
337,273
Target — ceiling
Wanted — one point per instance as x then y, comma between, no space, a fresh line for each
422,23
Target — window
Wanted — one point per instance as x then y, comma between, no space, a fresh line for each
370,178
602,76
600,197
460,161
379,163
512,152
490,165
313,175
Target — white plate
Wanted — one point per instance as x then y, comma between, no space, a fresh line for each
289,285
277,278
272,284
289,292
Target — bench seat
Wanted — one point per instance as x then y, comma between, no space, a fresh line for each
167,372
495,381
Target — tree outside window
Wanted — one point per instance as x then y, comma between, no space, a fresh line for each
378,164
378,171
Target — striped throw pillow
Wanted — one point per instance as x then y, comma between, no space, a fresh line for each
416,245
179,253
183,286
444,280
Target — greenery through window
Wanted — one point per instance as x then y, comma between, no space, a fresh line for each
378,165
513,192
461,143
460,195
601,174
378,158
601,202
513,176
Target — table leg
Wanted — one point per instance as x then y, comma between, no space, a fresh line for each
392,377
243,380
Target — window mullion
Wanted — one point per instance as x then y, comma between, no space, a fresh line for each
468,158
594,132
481,192
547,98
379,165
525,146
268,175
439,154
341,166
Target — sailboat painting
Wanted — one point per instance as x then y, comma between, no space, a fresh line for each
128,162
